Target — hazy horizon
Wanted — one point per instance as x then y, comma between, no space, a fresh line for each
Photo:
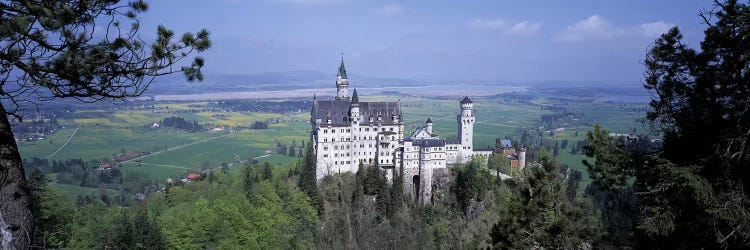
482,41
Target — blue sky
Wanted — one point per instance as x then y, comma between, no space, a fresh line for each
518,41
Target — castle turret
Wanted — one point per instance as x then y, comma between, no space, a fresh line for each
429,125
342,83
466,123
354,107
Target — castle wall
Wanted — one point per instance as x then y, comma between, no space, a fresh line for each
343,137
340,149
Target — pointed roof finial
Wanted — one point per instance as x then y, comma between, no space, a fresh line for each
355,96
342,69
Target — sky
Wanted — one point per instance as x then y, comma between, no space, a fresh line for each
513,41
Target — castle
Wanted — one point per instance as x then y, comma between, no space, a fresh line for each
346,131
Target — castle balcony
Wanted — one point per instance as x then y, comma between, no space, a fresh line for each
387,166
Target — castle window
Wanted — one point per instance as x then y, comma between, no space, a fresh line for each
325,156
325,148
348,130
336,155
325,131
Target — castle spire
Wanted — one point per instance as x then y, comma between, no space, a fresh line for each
355,97
342,83
342,69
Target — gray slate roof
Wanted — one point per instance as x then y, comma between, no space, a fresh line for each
342,69
466,100
506,143
338,112
429,143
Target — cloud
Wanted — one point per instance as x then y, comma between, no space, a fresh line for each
655,29
391,9
591,28
525,28
597,28
487,24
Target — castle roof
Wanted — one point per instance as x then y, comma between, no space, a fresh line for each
506,143
342,69
465,100
355,97
338,112
428,143
421,133
428,120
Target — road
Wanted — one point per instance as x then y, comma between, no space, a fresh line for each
66,143
178,147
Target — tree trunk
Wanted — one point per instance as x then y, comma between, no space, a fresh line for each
16,220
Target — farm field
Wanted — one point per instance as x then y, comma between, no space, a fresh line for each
106,134
72,191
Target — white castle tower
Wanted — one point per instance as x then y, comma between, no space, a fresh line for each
466,129
342,83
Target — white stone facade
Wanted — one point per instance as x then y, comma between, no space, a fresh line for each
346,132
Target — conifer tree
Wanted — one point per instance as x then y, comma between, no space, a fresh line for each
267,171
694,192
48,49
308,180
539,215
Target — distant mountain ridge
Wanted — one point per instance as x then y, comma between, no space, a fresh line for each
308,79
285,80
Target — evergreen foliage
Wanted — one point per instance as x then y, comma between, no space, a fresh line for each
539,214
692,193
308,179
181,123
259,125
48,50
472,181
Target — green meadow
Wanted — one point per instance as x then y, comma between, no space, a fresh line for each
72,191
105,134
